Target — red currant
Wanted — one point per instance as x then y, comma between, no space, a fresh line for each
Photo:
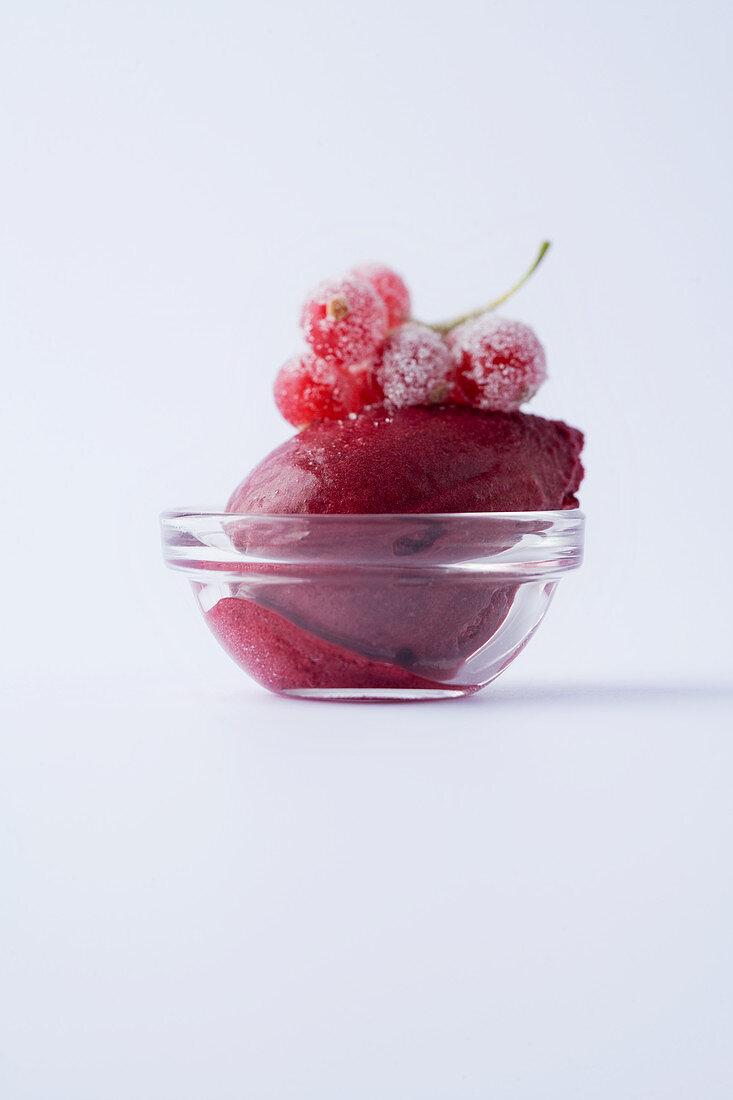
415,367
391,289
344,320
308,389
364,374
500,363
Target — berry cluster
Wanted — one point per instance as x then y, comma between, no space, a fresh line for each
364,350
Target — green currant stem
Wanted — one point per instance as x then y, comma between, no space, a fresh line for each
446,326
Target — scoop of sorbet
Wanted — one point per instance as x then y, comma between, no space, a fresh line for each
375,629
445,459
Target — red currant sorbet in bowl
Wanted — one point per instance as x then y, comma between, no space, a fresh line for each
406,542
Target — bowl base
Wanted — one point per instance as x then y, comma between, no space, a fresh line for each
375,694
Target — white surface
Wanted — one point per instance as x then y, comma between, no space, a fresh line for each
220,894
212,893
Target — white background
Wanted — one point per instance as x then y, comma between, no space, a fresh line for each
212,893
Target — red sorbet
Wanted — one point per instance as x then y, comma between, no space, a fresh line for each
445,459
371,633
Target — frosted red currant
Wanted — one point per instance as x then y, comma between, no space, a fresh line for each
391,289
364,375
344,320
308,388
415,367
500,363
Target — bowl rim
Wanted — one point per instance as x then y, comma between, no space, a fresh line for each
227,547
196,513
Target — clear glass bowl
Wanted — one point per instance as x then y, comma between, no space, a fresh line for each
375,607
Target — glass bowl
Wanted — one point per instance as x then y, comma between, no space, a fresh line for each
374,607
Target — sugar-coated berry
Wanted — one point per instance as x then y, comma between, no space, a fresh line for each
391,289
344,320
415,367
500,363
364,374
308,388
